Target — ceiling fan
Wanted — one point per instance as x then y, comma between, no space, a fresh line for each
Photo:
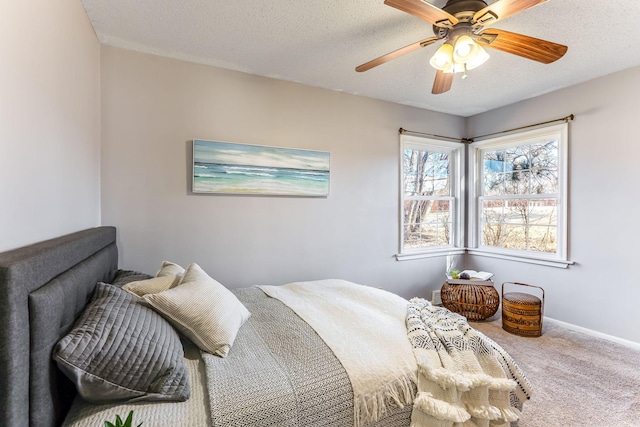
461,24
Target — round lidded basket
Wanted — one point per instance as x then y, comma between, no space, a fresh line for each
522,312
473,301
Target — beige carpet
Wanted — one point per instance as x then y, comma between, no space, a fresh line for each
578,380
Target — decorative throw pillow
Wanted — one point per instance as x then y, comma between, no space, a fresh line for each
166,278
121,350
170,269
151,286
203,310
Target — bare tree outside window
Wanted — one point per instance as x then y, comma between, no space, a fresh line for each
428,200
520,195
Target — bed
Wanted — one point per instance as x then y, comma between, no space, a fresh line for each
280,370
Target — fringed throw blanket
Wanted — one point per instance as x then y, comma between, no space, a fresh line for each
461,380
365,328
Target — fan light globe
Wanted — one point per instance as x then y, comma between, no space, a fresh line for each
443,58
455,68
465,49
481,57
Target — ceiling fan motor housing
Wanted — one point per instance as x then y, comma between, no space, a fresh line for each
456,6
464,10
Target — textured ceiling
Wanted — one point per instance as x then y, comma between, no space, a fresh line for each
319,43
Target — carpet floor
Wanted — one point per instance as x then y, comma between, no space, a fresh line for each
577,380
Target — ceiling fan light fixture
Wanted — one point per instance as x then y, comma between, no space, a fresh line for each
465,49
481,57
460,24
443,58
455,68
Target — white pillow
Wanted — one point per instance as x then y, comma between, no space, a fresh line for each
203,310
170,269
151,286
166,278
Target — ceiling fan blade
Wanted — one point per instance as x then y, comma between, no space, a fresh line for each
502,9
442,82
395,54
426,11
521,45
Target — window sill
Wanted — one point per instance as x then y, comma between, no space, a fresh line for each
430,254
558,263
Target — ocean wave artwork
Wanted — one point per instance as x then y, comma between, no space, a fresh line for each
226,167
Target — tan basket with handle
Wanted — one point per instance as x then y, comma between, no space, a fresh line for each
522,312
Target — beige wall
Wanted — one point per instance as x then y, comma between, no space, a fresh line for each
50,129
601,291
153,107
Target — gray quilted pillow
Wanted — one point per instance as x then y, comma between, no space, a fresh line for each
121,350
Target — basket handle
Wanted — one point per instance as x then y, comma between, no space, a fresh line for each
524,284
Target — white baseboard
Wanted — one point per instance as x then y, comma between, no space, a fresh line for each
596,334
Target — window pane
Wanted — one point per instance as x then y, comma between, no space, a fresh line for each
543,212
410,162
494,161
411,238
523,224
492,234
492,216
542,239
527,169
444,232
545,155
492,211
494,184
413,211
427,223
437,174
544,170
517,158
517,182
517,211
544,181
493,172
426,173
514,237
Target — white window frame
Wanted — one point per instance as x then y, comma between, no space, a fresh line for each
475,247
456,158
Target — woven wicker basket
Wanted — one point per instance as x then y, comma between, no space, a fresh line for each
475,302
522,312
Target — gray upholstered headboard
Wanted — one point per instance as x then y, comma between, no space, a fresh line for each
43,289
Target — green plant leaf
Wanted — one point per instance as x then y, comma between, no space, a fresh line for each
129,421
119,423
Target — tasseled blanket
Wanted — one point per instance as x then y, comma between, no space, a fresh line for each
461,382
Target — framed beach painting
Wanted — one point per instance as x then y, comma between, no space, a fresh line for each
232,168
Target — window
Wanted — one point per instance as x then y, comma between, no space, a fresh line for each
519,207
430,197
